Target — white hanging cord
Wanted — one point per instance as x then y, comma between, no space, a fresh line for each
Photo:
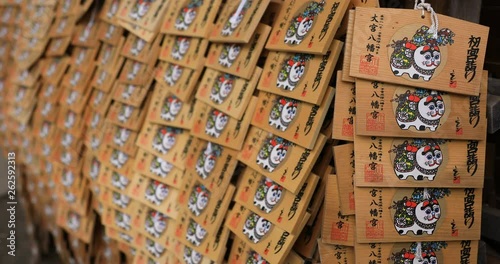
419,251
238,11
416,4
427,7
426,194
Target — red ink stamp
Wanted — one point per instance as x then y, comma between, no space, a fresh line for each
247,152
235,221
347,128
190,162
351,201
374,172
340,231
275,38
375,122
259,117
211,59
204,90
168,24
141,166
197,128
374,229
368,64
144,140
244,196
164,53
267,80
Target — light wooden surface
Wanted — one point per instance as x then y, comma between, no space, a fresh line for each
289,209
142,165
344,119
293,170
241,251
212,216
183,119
168,206
315,41
144,54
346,64
236,102
452,251
245,61
383,230
184,86
108,201
235,222
216,254
453,57
150,21
313,84
304,127
220,176
330,253
463,117
307,242
337,228
319,194
120,93
233,133
150,133
139,223
344,164
199,27
195,52
249,22
457,168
